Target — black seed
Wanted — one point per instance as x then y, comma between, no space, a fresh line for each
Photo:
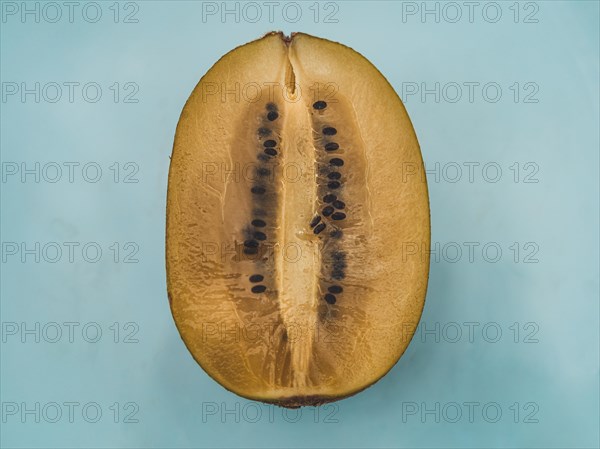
263,132
269,143
259,223
327,211
339,204
339,260
336,234
340,265
329,131
337,162
334,289
315,221
319,105
259,190
334,175
258,289
260,277
331,146
334,185
260,235
319,228
272,116
251,243
329,198
263,171
263,157
338,275
271,107
338,255
271,151
338,216
250,250
330,299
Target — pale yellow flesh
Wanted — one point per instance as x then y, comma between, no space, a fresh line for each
287,345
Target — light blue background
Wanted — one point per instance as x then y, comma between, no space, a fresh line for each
166,53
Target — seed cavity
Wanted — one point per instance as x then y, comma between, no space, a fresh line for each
271,151
331,210
339,265
338,275
258,289
263,132
319,228
250,251
336,234
259,223
338,255
251,243
258,190
269,143
259,277
272,116
261,171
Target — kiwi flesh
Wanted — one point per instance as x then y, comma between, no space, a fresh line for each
289,219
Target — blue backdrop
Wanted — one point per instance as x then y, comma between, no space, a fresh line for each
504,99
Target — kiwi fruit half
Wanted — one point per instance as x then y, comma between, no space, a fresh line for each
289,216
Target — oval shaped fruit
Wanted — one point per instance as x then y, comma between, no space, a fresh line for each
297,228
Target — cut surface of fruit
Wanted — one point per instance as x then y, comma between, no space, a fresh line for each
298,227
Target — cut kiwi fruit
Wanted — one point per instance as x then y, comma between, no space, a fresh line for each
291,227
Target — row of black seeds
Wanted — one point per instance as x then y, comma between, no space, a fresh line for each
333,204
269,151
